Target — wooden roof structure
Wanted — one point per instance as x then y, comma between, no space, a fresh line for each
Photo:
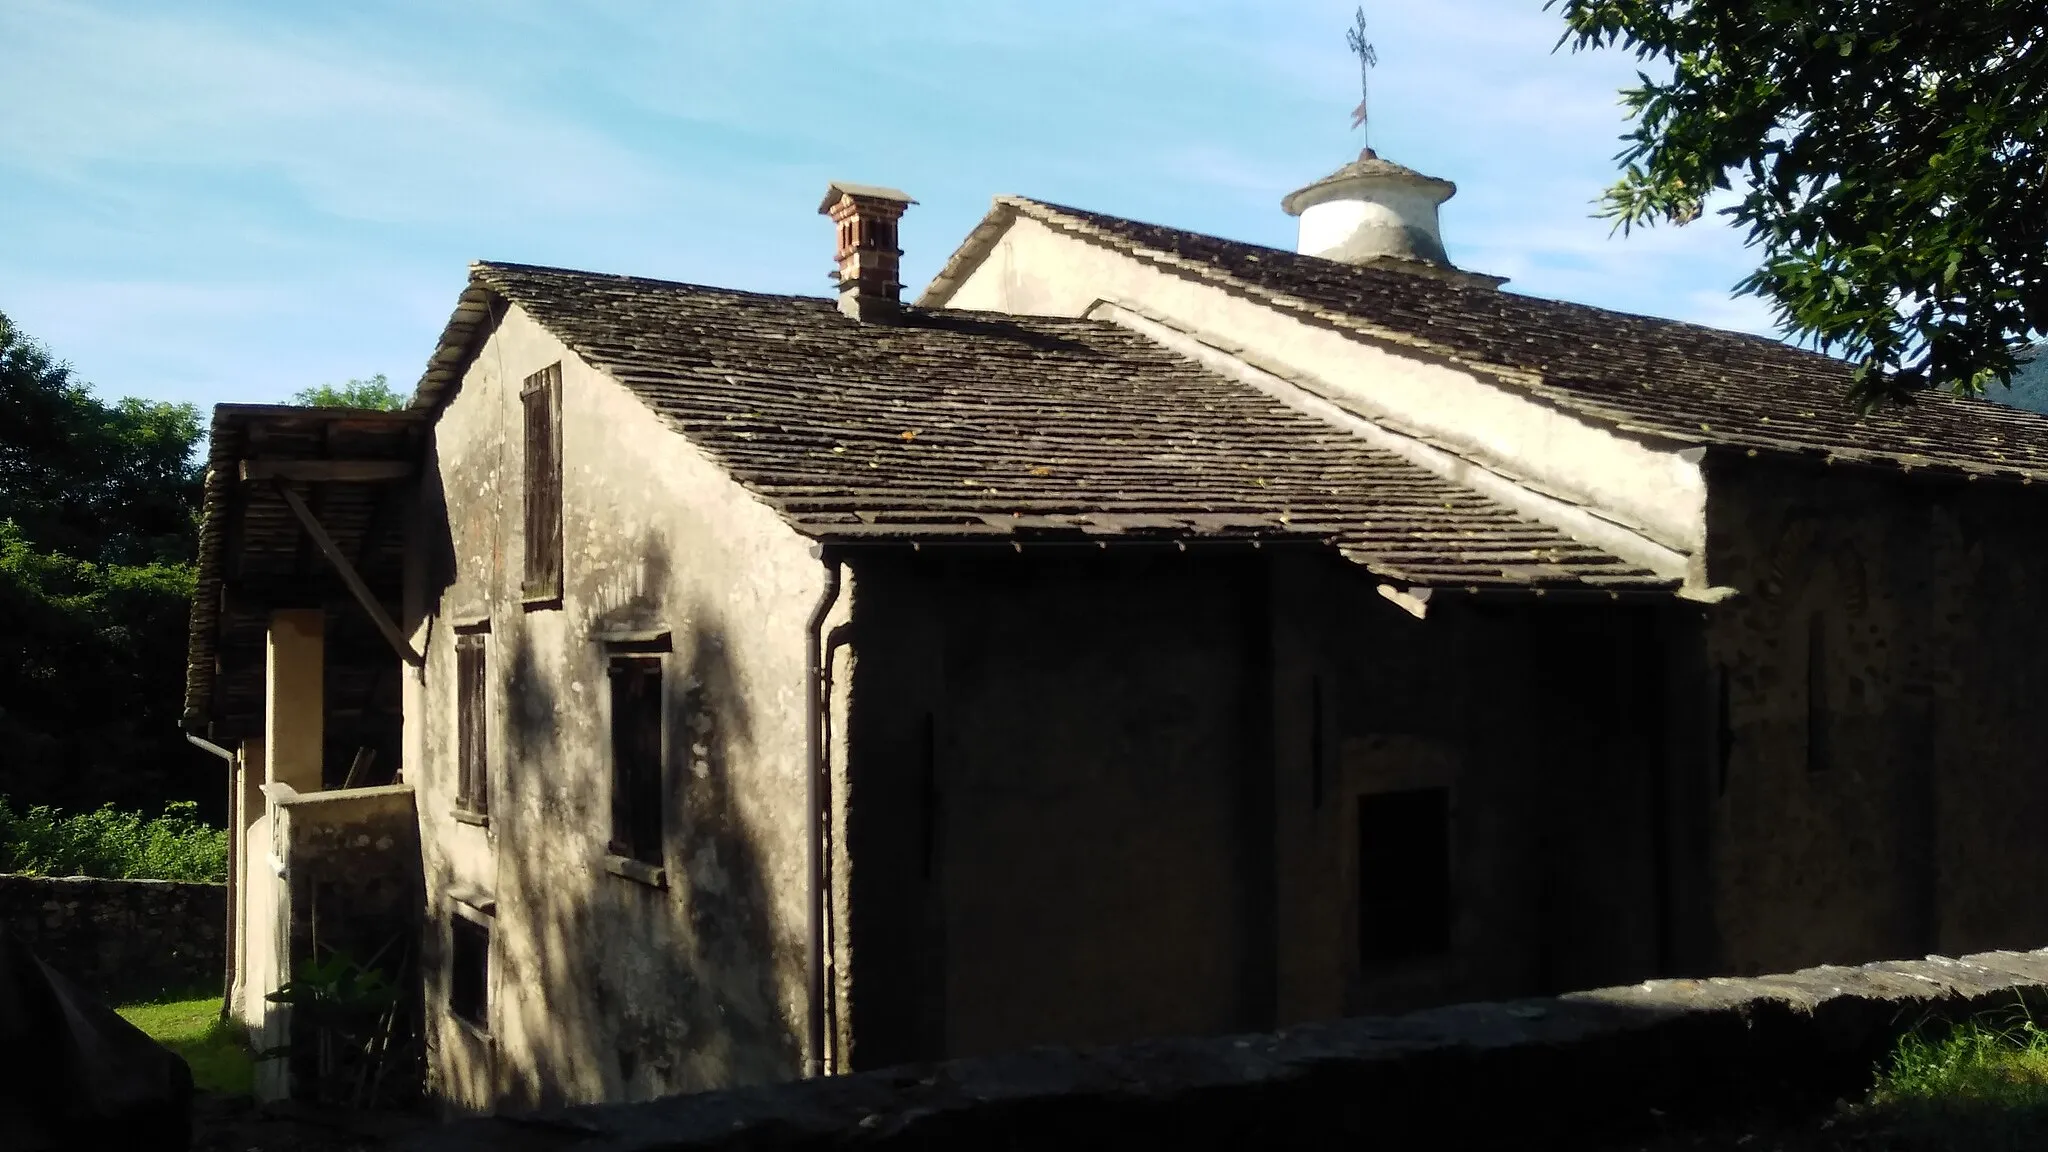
303,508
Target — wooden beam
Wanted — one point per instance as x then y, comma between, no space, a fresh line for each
347,572
327,471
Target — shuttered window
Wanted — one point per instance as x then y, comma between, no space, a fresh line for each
472,778
636,758
543,401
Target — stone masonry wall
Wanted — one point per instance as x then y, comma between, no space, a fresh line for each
120,938
1560,1073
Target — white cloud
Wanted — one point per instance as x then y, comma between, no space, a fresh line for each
235,201
93,96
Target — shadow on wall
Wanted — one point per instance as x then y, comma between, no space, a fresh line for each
647,991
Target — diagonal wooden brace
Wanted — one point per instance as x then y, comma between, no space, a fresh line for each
347,571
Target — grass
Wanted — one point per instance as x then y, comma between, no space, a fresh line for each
113,844
214,1048
1982,1084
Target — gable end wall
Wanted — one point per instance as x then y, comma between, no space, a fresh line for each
1034,269
604,988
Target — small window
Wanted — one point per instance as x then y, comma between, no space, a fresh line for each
1404,876
1818,750
469,970
472,777
543,400
636,758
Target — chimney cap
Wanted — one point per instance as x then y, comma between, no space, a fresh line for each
842,188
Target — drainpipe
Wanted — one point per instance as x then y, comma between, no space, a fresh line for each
229,944
814,726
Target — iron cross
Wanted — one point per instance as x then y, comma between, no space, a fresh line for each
1367,58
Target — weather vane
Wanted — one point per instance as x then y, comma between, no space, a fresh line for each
1367,58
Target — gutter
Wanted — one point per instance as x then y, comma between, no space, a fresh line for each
814,732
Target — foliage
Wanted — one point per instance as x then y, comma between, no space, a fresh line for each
376,392
112,483
113,844
1982,1084
92,664
1891,155
98,525
211,1046
352,1027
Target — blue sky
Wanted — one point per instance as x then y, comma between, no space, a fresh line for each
232,201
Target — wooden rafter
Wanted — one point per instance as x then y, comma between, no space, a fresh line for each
346,569
327,471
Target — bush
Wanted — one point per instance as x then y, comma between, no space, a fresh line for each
113,844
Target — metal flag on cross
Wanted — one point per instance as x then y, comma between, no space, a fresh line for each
1367,58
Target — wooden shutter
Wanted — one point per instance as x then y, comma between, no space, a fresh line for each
472,782
542,398
636,757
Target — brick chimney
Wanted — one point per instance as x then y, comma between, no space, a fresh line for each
870,271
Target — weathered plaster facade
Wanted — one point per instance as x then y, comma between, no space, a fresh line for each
604,987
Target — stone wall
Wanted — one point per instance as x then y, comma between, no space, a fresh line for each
1879,790
1569,1072
121,939
1060,787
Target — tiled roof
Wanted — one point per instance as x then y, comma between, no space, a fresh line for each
966,425
254,556
1657,378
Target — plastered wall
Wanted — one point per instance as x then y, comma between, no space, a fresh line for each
601,986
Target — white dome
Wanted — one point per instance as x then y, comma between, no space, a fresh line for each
1372,209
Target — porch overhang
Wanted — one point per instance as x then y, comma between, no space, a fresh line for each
303,508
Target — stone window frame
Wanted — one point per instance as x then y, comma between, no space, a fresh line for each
479,912
1380,764
626,856
473,759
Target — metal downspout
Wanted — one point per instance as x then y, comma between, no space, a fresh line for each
814,723
232,946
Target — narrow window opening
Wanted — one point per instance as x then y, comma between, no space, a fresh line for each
469,970
543,484
1404,876
1315,743
636,758
1818,751
928,766
472,777
1724,731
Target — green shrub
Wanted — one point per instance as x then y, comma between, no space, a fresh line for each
113,844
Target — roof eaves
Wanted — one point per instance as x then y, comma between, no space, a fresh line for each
227,440
1530,384
972,251
458,342
1049,214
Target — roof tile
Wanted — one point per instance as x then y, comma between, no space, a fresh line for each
967,425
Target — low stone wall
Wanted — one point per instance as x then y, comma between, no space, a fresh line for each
1565,1073
121,939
